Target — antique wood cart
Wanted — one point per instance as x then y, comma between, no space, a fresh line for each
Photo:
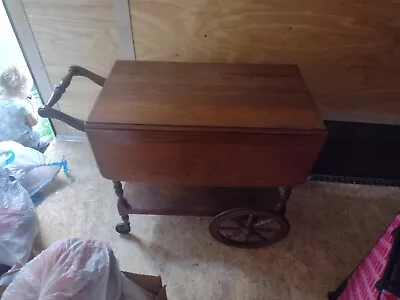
221,140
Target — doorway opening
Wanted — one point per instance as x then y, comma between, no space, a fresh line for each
12,55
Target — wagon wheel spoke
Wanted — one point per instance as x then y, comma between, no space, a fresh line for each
229,228
239,222
274,230
263,222
230,231
249,228
250,222
260,236
247,238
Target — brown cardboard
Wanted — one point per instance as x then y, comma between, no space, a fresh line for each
150,283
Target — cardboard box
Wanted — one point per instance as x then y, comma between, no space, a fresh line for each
153,284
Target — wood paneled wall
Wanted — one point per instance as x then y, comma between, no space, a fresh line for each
348,50
74,32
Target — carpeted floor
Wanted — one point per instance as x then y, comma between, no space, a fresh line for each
333,227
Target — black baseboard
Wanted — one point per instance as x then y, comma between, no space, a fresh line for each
359,153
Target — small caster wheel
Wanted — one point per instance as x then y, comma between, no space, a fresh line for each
249,228
123,228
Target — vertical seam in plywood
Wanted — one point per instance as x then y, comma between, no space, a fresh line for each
124,27
130,25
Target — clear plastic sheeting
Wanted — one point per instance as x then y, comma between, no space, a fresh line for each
30,167
18,223
71,269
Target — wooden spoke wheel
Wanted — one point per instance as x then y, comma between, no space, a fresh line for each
249,228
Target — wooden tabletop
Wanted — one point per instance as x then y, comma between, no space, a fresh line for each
205,95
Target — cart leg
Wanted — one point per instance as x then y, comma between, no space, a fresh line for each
284,198
123,206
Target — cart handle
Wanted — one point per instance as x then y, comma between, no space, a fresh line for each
47,111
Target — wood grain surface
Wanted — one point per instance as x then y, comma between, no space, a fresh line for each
204,159
74,33
247,96
348,51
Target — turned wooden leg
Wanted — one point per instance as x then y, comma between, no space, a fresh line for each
123,206
284,198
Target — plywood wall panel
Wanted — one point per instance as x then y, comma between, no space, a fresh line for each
348,51
74,32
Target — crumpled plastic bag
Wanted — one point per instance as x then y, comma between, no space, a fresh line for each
31,167
70,269
18,224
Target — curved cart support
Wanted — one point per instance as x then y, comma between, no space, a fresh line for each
47,111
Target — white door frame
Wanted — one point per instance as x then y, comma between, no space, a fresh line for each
19,22
22,30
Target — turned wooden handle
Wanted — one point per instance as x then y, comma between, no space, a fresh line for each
48,112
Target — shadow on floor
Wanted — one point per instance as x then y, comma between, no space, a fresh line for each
328,239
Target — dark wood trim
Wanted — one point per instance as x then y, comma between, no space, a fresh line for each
169,128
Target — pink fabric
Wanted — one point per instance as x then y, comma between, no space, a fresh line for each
361,284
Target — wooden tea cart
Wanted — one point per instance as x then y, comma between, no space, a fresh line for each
200,139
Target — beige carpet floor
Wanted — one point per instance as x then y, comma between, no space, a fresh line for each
333,227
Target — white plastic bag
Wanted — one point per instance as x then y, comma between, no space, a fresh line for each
18,223
70,269
30,167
